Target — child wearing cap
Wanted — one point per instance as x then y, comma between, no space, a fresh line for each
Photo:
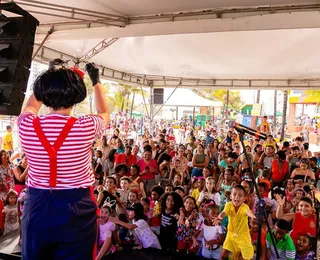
283,242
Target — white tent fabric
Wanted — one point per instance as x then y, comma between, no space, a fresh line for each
186,98
216,40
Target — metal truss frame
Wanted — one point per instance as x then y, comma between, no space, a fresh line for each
72,14
46,54
77,18
99,48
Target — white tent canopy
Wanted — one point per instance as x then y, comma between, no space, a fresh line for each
186,98
219,44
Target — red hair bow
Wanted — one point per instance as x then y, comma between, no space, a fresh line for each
79,72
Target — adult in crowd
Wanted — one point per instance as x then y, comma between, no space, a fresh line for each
109,164
7,143
6,174
60,213
279,169
148,169
183,166
303,174
127,157
199,161
20,174
105,148
120,146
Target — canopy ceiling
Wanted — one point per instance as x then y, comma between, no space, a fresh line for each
220,44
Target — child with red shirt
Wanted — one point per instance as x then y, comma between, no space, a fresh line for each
304,221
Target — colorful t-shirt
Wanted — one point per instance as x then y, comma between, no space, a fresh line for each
144,235
238,221
186,231
106,231
285,248
7,139
11,221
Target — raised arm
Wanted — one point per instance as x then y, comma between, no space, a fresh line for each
19,175
123,224
100,100
250,214
32,106
279,212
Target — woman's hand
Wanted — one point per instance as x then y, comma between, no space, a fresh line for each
93,73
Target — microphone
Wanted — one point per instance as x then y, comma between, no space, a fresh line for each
243,129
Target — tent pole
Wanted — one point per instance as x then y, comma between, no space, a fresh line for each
177,113
151,110
43,42
193,116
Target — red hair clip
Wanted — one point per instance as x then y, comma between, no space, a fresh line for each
79,72
211,203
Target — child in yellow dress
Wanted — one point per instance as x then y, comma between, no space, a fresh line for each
238,236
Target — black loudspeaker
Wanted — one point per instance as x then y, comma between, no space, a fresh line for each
158,96
16,46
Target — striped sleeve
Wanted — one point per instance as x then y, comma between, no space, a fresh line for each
98,122
290,250
268,240
25,118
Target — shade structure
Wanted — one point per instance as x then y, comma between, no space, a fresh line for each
250,44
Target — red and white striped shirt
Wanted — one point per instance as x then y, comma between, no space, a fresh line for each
73,157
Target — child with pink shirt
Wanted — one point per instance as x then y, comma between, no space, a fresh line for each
106,227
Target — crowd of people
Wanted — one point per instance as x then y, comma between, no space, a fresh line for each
196,198
192,197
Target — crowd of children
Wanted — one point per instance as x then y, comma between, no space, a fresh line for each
199,198
203,201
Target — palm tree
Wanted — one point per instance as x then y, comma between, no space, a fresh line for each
284,112
82,108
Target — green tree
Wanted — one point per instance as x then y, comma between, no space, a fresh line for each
220,95
87,105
